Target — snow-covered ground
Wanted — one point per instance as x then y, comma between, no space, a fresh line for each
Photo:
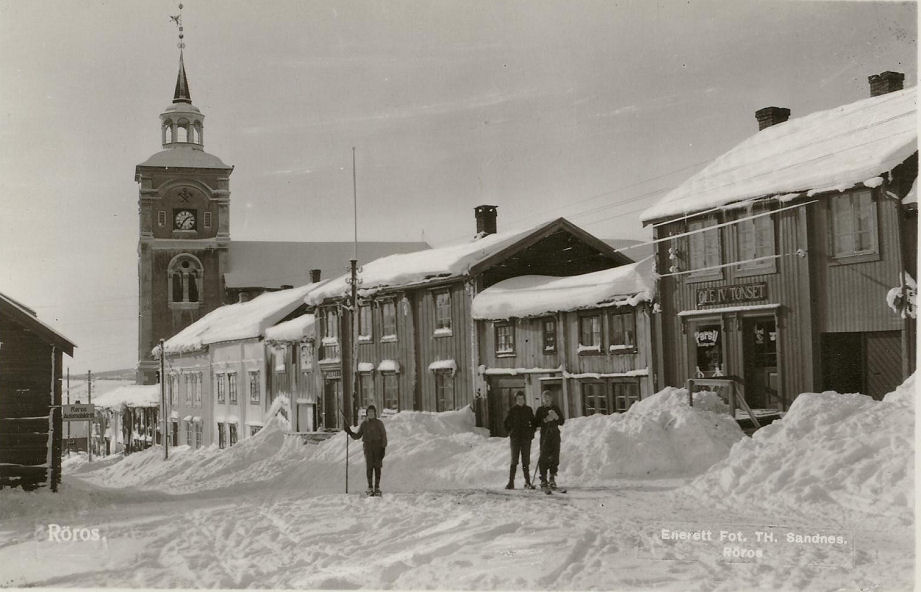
271,512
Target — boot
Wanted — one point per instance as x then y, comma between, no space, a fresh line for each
511,478
527,479
553,482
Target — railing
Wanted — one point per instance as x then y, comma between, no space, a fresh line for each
734,390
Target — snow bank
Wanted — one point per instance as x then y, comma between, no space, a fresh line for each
845,452
535,295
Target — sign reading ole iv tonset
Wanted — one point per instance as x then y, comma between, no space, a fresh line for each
732,294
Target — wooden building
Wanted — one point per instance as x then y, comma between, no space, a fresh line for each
415,336
776,258
290,356
31,355
127,419
586,339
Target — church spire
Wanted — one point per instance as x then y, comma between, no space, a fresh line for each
182,83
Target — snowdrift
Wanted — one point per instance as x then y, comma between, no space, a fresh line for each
844,452
659,437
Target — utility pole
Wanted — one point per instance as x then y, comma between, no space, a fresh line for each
353,265
163,431
89,424
68,402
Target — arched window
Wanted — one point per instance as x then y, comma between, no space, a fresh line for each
167,133
185,279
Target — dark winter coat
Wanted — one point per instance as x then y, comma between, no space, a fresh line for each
519,422
548,426
372,434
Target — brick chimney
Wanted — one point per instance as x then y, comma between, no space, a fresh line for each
771,116
886,82
485,219
314,276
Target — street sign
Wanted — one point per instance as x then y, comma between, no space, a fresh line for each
80,412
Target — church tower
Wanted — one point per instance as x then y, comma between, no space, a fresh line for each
184,206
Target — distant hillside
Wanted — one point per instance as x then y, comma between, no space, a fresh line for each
125,374
635,254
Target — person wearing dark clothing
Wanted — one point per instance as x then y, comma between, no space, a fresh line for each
549,418
519,423
374,441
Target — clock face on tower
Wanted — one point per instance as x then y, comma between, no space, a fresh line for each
184,220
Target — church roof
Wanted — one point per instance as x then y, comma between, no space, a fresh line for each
185,157
182,94
271,264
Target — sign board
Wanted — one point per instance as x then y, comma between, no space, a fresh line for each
731,294
80,412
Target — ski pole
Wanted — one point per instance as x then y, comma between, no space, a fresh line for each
347,438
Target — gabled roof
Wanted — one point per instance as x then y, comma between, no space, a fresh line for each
459,260
538,295
294,330
243,320
28,320
825,151
271,264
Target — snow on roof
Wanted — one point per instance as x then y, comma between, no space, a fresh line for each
184,157
132,395
365,366
413,268
824,151
388,366
242,320
443,365
293,330
25,316
534,295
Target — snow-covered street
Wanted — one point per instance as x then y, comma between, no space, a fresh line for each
271,512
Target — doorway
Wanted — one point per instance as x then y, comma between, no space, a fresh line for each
329,407
501,398
759,352
842,362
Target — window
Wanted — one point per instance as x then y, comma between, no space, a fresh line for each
220,387
443,312
197,383
623,332
188,433
391,391
708,346
331,324
161,218
548,327
185,279
306,356
198,433
221,443
254,388
188,390
756,240
365,389
207,219
232,387
364,322
704,249
505,338
625,395
173,389
590,333
174,433
594,398
444,391
854,226
232,435
388,319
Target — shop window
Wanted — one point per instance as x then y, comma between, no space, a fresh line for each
595,398
232,387
548,329
221,442
626,393
364,323
388,320
756,242
365,389
703,249
444,391
220,388
590,334
443,312
254,388
623,332
232,434
505,338
854,224
391,391
708,343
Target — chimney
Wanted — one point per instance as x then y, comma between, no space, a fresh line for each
886,82
485,220
314,276
771,116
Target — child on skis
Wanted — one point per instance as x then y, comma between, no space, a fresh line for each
374,441
549,417
519,423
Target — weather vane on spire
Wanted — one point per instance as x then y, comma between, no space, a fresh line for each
178,20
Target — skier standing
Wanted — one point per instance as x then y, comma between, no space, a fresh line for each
374,441
519,423
549,417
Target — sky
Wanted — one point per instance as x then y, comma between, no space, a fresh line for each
588,110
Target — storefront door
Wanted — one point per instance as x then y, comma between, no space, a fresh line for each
759,353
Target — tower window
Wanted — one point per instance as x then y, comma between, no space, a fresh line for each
185,280
207,220
161,218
